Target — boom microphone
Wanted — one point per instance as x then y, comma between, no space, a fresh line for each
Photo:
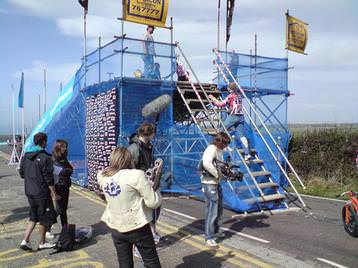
156,106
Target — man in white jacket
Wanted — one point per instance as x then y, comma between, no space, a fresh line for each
211,187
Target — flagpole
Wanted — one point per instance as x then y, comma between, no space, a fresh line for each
14,159
23,130
218,34
13,114
39,107
45,90
218,27
23,118
85,44
287,13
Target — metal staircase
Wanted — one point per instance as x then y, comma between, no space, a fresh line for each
258,187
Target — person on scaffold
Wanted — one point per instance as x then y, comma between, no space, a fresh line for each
235,117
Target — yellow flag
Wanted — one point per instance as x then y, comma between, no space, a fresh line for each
297,34
150,12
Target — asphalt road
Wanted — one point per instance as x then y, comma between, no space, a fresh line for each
295,239
316,233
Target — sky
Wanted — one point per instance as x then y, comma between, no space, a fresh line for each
48,34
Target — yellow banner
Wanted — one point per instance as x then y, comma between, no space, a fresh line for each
150,12
297,35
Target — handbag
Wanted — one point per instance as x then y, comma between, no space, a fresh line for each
56,173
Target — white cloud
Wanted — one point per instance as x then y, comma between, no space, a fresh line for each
62,72
332,44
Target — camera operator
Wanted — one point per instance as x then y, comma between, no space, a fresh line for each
210,181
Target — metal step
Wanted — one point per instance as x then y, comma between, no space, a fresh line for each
252,151
200,91
266,212
188,84
261,173
254,161
201,110
266,198
210,131
206,119
197,100
261,185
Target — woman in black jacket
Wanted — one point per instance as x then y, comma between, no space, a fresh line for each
62,173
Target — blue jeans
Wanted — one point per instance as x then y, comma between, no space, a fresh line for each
236,121
213,209
148,65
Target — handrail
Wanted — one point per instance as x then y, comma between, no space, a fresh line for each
265,127
225,130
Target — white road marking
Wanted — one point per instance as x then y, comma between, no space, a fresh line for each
323,198
223,228
246,235
181,214
332,263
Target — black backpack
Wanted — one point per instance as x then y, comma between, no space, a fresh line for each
66,241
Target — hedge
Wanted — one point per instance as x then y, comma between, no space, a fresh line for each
325,153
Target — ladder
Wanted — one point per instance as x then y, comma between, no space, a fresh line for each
226,70
259,185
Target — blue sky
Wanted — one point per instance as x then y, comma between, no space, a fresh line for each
38,34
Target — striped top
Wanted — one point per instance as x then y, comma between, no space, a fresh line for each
234,103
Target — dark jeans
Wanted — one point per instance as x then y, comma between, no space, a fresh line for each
213,209
61,204
142,238
155,214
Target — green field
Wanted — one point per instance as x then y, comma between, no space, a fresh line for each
300,128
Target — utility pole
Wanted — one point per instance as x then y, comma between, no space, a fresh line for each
45,91
39,106
60,88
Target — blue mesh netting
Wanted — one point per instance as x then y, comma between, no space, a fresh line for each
120,65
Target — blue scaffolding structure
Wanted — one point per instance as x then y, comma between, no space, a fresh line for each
179,142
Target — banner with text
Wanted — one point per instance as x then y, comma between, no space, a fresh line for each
297,34
150,12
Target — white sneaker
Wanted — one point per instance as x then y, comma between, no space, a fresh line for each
25,245
46,245
247,157
136,252
156,238
49,236
211,243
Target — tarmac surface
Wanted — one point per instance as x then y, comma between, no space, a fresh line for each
314,238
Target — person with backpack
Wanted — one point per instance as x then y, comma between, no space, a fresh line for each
36,169
210,181
130,201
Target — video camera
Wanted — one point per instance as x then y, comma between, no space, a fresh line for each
227,169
